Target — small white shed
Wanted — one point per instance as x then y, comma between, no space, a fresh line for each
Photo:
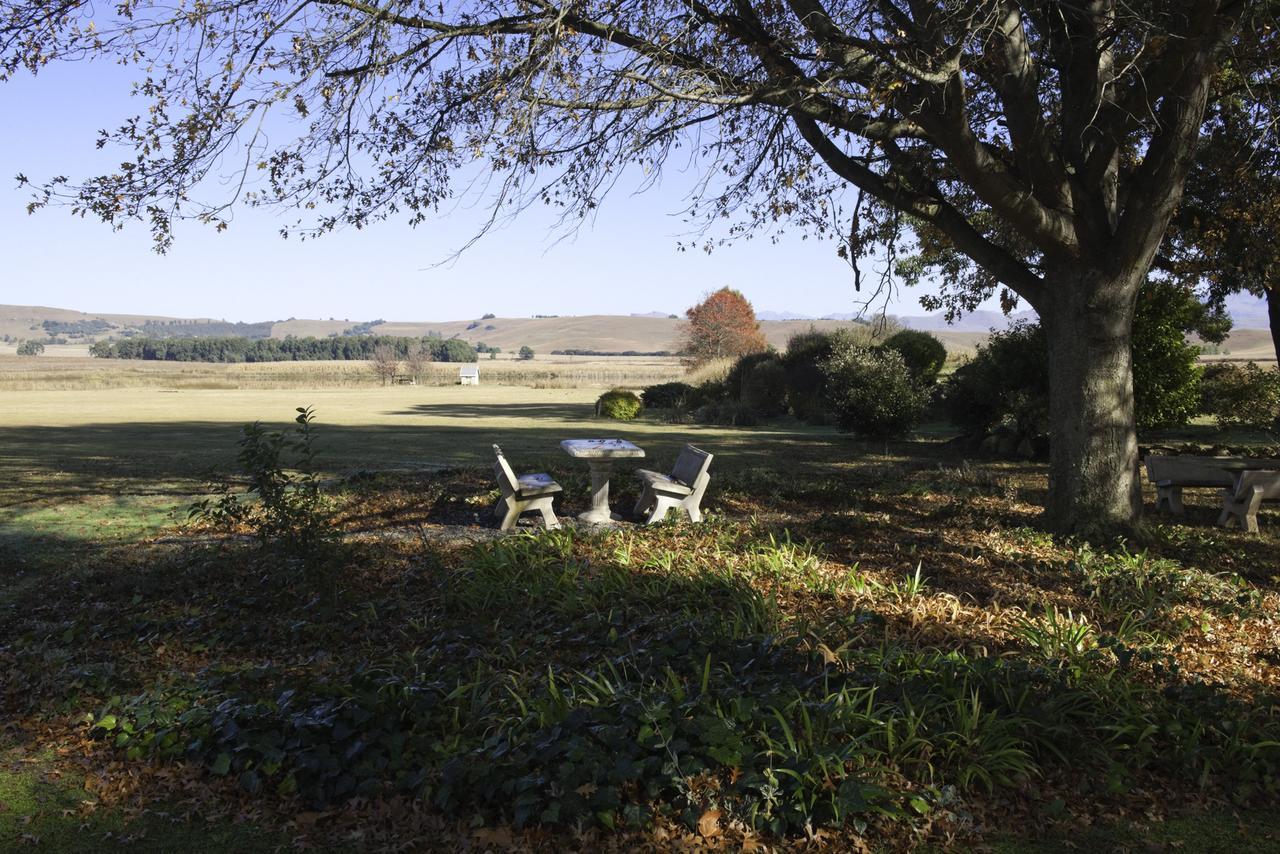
468,375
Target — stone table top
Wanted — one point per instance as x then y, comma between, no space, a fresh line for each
600,448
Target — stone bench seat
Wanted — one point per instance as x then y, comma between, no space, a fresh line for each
667,483
533,485
1170,475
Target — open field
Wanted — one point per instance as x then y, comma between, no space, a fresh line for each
77,371
1247,344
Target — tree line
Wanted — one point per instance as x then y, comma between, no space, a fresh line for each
235,349
206,329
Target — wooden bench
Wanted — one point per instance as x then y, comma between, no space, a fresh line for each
523,494
1171,474
682,489
1240,503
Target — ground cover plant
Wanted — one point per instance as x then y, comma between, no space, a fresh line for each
875,646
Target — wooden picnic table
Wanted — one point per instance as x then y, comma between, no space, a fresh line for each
600,454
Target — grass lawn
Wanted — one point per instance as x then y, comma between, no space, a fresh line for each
118,463
866,646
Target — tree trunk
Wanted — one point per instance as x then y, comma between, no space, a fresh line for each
1273,317
1093,456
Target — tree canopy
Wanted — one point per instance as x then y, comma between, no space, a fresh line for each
1040,146
1224,233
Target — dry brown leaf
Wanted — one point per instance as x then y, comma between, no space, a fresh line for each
709,824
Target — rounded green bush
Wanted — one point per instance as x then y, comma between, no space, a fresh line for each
619,404
923,353
871,392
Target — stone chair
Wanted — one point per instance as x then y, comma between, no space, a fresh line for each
1240,504
682,489
523,494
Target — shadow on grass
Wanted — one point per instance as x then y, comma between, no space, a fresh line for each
558,411
48,463
44,811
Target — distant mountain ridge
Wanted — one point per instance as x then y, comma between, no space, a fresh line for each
1246,310
640,333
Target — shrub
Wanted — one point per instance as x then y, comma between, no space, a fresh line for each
1242,396
1166,379
871,391
758,382
526,353
1008,379
30,348
924,354
619,404
731,413
737,373
666,396
802,364
764,388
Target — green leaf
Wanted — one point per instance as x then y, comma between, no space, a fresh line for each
221,765
107,723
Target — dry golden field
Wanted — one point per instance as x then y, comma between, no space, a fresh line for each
60,370
1251,344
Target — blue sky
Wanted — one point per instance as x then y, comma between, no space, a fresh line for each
626,261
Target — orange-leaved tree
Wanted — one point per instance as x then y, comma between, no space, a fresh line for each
723,324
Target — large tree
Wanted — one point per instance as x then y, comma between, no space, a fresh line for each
1044,143
723,325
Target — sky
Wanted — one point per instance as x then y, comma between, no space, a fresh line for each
626,261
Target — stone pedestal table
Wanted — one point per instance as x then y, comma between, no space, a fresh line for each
599,455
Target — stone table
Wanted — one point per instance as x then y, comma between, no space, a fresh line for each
600,454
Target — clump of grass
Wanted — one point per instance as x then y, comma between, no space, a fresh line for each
1140,586
1059,637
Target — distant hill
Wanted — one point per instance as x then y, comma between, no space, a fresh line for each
646,333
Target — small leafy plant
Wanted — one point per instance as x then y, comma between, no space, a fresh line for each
282,502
